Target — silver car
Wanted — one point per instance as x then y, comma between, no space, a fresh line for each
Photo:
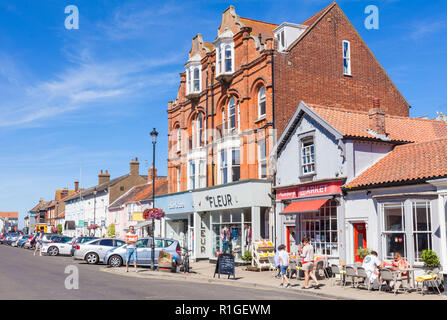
59,245
93,251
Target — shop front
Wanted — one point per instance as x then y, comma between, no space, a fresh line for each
229,218
314,211
178,222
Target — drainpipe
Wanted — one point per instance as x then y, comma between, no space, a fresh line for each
274,136
212,124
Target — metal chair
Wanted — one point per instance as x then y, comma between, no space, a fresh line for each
430,279
336,271
350,272
273,267
292,270
361,274
386,275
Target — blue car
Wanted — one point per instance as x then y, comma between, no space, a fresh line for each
116,257
21,242
11,237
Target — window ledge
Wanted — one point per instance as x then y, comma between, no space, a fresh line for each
307,175
347,75
260,119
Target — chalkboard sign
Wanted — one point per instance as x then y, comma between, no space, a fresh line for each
225,265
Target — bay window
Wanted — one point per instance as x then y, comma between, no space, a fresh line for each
228,59
224,45
196,80
422,229
394,230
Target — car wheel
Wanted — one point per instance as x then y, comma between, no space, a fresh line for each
53,251
115,261
91,258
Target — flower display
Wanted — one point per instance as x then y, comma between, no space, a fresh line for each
54,230
153,213
92,227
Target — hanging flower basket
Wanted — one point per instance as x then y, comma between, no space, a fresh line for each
54,230
154,213
92,227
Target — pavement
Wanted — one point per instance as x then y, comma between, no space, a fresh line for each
203,272
25,277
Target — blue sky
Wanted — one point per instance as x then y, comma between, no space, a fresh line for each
88,98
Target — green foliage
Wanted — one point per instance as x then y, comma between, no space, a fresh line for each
363,252
430,259
111,230
247,256
59,227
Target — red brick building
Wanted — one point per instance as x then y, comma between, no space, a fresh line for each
236,90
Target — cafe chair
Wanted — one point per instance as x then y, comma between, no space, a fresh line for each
387,276
430,279
350,272
321,266
292,270
273,268
336,271
361,274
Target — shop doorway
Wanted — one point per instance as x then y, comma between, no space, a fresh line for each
359,239
291,239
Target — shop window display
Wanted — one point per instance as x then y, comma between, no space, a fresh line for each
231,233
321,228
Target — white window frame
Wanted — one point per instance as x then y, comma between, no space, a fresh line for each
230,115
179,139
401,205
261,160
192,175
346,58
303,155
221,58
261,100
429,217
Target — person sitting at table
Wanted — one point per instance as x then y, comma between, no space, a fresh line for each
371,264
399,263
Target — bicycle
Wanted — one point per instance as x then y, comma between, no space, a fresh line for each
185,261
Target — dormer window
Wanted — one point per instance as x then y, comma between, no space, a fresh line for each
193,76
287,33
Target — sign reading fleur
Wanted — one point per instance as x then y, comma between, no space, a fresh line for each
153,213
92,227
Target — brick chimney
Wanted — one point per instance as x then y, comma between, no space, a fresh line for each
103,177
76,186
151,174
134,167
64,193
377,118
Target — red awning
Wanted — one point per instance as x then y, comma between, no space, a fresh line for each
304,206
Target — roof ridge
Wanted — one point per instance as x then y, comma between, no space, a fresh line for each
414,144
259,21
321,12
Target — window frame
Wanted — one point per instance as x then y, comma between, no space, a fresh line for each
260,101
301,138
262,160
347,58
416,233
232,115
385,233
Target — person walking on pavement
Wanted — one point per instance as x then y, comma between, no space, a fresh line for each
284,265
131,252
39,244
277,263
308,264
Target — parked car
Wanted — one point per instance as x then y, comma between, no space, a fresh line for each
15,243
80,240
117,257
11,237
93,252
59,245
23,240
2,237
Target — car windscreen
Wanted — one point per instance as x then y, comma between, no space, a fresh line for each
84,240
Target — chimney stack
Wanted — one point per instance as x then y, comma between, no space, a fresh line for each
103,177
151,174
64,193
377,118
134,167
76,186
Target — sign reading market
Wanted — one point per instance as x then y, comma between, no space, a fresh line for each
311,190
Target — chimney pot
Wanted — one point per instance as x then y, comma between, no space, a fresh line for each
76,186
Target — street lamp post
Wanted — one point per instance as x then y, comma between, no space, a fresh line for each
154,135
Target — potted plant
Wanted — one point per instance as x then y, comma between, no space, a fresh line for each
363,252
431,260
247,257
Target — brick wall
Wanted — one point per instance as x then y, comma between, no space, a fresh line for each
312,71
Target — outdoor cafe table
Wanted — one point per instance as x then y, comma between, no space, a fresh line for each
410,275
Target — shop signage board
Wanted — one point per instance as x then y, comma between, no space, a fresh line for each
137,216
225,265
333,187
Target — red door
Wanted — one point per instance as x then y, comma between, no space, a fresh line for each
291,245
359,239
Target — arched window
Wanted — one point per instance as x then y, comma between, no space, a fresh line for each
232,114
228,59
224,123
200,130
179,138
261,101
196,80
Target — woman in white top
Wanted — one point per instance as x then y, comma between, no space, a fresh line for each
308,264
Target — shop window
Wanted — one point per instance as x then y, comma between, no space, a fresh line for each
394,230
422,229
261,102
308,156
346,58
321,228
262,159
